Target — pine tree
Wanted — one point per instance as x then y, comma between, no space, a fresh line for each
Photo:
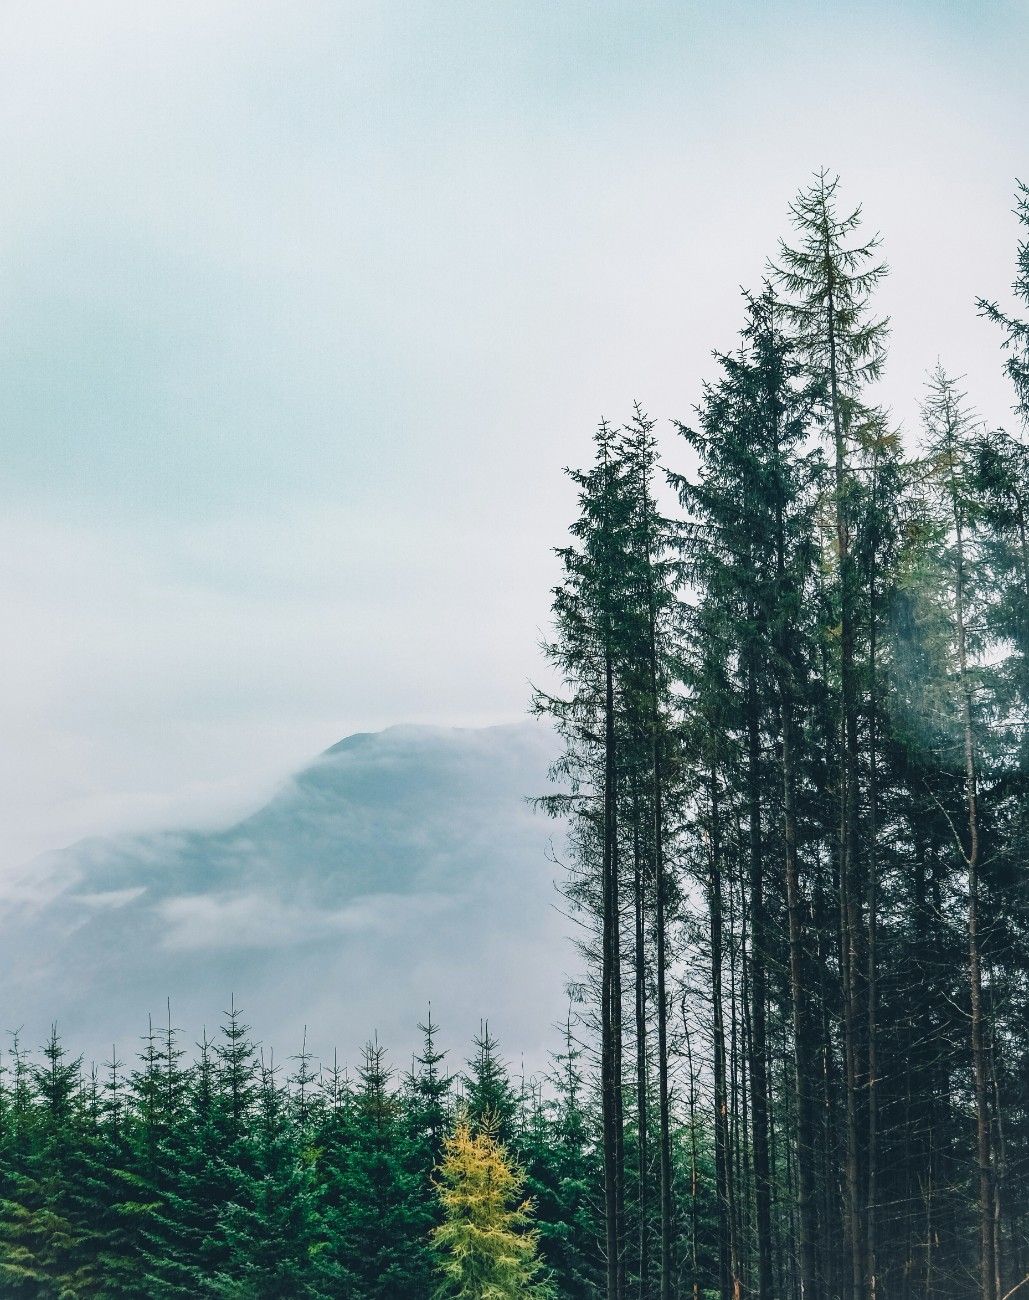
22,1221
52,1232
561,1172
184,1153
652,617
116,1191
750,556
331,1147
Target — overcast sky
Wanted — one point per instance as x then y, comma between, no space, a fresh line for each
305,306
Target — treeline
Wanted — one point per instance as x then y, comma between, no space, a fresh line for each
794,706
228,1175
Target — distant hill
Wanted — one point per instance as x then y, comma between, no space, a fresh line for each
399,867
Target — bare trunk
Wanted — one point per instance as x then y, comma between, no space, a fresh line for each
803,1068
694,1171
664,1116
872,1153
723,1168
758,997
660,920
641,1062
802,1061
849,908
980,1063
611,1028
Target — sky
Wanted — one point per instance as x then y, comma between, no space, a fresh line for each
306,306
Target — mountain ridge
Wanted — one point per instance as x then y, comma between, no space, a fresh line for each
396,866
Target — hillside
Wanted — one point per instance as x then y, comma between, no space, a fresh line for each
399,867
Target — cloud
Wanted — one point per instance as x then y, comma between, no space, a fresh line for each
196,922
398,866
111,898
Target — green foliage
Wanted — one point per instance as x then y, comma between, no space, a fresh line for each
429,1091
218,1177
270,1223
489,1097
562,1172
1016,328
382,1210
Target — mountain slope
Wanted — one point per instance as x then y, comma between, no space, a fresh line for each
399,867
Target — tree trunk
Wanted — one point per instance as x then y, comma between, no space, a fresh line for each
980,1064
758,999
694,1169
803,1068
611,1027
723,1168
639,880
802,1056
660,920
849,907
872,1152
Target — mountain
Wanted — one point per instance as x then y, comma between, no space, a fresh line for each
399,867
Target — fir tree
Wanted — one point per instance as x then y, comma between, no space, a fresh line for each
117,1191
561,1173
270,1223
950,429
750,555
23,1223
187,1182
381,1216
430,1089
489,1097
589,650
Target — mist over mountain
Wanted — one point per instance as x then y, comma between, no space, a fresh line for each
399,867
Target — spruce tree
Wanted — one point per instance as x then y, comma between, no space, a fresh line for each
380,1217
185,1151
117,1191
489,1097
430,1088
48,1235
23,1221
828,278
950,430
561,1173
750,555
589,650
651,614
270,1222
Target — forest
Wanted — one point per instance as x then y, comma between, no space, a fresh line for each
792,695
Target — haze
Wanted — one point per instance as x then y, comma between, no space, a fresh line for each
306,305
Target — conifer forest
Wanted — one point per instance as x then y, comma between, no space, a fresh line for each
791,687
